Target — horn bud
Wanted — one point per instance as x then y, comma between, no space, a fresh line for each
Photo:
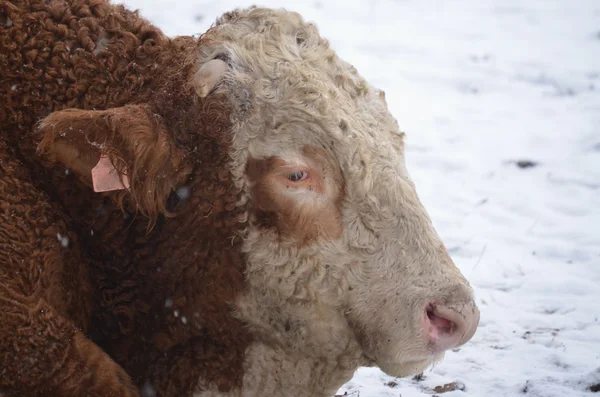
208,76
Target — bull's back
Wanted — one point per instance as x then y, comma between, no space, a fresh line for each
71,54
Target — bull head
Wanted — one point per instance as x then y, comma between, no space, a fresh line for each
343,265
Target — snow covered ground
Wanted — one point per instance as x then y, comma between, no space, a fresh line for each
478,85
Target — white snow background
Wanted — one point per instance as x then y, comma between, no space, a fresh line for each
478,85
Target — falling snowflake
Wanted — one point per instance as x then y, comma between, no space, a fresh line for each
63,240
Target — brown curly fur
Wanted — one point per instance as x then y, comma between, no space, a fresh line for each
45,298
123,286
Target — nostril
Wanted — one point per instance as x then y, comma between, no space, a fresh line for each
450,326
440,325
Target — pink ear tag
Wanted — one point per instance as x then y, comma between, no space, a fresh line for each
105,177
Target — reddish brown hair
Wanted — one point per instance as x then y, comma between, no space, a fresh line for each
132,137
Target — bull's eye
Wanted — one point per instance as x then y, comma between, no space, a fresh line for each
297,176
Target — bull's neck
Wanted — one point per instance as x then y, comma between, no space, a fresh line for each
276,372
299,349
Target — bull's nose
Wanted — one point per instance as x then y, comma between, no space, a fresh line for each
449,326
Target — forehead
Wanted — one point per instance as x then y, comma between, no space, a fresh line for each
291,90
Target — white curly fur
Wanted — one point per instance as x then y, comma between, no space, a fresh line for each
318,311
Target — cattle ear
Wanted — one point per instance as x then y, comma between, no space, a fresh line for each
126,149
208,76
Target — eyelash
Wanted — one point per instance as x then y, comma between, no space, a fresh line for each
297,176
